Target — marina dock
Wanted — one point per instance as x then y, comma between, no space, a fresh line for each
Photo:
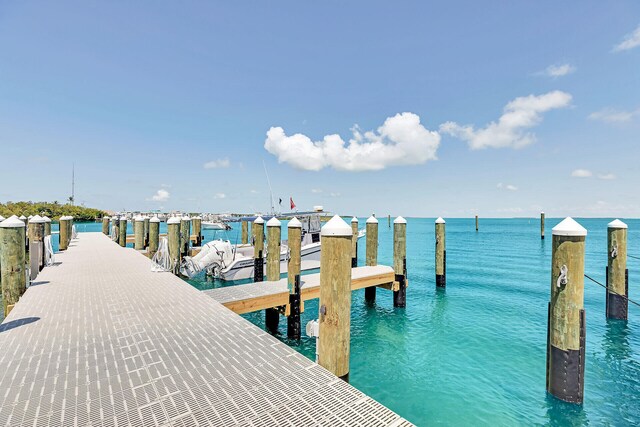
99,339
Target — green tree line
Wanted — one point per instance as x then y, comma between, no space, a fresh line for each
53,210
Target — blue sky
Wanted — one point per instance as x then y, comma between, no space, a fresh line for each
452,109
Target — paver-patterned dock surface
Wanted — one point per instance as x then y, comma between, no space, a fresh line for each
101,340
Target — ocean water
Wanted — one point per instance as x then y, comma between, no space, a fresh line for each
474,353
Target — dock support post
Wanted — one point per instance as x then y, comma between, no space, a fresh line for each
400,261
105,225
154,236
138,232
47,225
26,236
197,229
617,304
542,225
566,324
245,232
272,315
122,231
12,261
63,234
146,221
173,236
293,278
185,235
372,254
476,222
335,298
441,254
258,247
354,242
389,221
36,245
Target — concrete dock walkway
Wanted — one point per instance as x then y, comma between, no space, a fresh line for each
99,339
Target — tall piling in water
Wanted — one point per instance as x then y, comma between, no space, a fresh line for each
36,245
12,261
354,242
335,298
138,233
105,225
122,231
372,254
258,248
154,236
197,229
173,237
185,235
245,232
542,225
63,234
617,304
477,223
293,278
400,261
566,319
272,315
441,254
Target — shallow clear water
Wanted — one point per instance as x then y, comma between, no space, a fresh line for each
475,352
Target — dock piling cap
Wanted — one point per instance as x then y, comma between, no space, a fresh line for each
354,219
400,220
154,219
273,222
372,220
616,223
173,220
22,217
186,218
139,218
37,219
336,227
258,220
46,219
12,222
569,227
440,220
294,223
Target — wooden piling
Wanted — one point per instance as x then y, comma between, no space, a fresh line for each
36,245
138,232
294,231
354,242
258,248
245,232
122,231
400,261
105,225
566,325
617,304
146,221
12,261
173,236
63,234
47,225
476,222
154,236
196,221
185,235
389,221
542,225
441,254
272,316
335,298
372,254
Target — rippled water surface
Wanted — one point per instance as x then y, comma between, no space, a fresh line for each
474,354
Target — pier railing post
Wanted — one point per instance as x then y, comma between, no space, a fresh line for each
245,232
335,298
542,225
372,254
105,225
258,248
63,234
197,229
272,315
122,231
293,278
400,261
47,225
441,254
138,232
36,245
154,236
566,326
173,236
617,304
185,235
12,261
354,242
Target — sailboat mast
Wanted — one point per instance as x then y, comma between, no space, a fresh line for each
270,190
73,183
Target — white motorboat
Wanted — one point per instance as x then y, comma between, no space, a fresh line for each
215,225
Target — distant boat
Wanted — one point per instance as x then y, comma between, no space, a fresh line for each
215,225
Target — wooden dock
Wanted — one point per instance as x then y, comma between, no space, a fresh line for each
261,295
98,339
131,238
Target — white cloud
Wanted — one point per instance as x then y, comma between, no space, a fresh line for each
160,196
581,173
218,163
401,140
316,190
606,176
610,115
254,191
219,196
630,41
335,194
559,70
520,114
508,187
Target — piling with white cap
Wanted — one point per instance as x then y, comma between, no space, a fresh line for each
245,232
272,315
12,261
354,242
63,235
400,261
36,245
24,219
617,304
258,248
542,225
122,231
154,236
173,236
335,298
293,278
138,232
566,325
196,221
372,254
105,225
185,235
441,253
47,225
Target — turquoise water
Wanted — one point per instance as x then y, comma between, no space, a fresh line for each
474,354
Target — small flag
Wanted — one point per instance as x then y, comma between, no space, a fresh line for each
293,205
